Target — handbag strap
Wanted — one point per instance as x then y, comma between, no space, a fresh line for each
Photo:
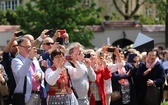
71,84
72,64
25,84
25,81
69,77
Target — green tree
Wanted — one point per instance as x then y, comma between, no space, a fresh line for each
8,17
127,12
161,8
58,14
3,19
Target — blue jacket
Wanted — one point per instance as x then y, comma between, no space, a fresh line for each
20,68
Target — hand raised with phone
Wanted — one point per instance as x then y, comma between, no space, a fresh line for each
87,62
43,33
19,33
59,33
32,52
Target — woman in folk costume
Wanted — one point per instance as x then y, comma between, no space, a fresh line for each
58,78
122,81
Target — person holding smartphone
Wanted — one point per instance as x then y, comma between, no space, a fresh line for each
58,77
81,85
61,35
122,81
25,66
10,51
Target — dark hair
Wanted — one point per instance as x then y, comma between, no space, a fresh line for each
160,47
153,50
71,51
55,53
126,53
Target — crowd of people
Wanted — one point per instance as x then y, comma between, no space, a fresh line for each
53,71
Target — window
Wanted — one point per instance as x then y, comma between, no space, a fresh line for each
12,4
149,12
85,2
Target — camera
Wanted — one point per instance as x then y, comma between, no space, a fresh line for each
68,58
87,56
49,32
19,33
62,32
40,51
110,49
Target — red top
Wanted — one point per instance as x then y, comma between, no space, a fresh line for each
101,75
62,86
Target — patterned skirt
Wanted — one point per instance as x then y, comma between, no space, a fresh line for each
62,99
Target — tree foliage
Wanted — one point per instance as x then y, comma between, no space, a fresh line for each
38,15
2,18
8,17
161,8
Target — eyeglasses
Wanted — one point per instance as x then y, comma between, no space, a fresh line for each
80,53
26,47
48,43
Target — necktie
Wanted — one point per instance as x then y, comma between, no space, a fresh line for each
35,83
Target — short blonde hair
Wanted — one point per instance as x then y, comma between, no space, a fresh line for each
73,45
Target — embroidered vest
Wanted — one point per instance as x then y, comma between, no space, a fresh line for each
62,86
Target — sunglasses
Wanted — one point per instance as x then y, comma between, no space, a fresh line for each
48,44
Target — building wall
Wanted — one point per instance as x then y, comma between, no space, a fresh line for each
114,35
24,2
131,34
109,8
159,37
100,37
5,37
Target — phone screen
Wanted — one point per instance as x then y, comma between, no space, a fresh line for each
40,51
49,32
110,50
60,40
20,33
131,58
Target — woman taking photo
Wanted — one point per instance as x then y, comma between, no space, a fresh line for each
123,83
103,70
58,78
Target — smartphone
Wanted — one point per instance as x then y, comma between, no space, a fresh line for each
87,56
40,51
49,32
19,33
68,58
131,58
110,49
60,40
62,32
